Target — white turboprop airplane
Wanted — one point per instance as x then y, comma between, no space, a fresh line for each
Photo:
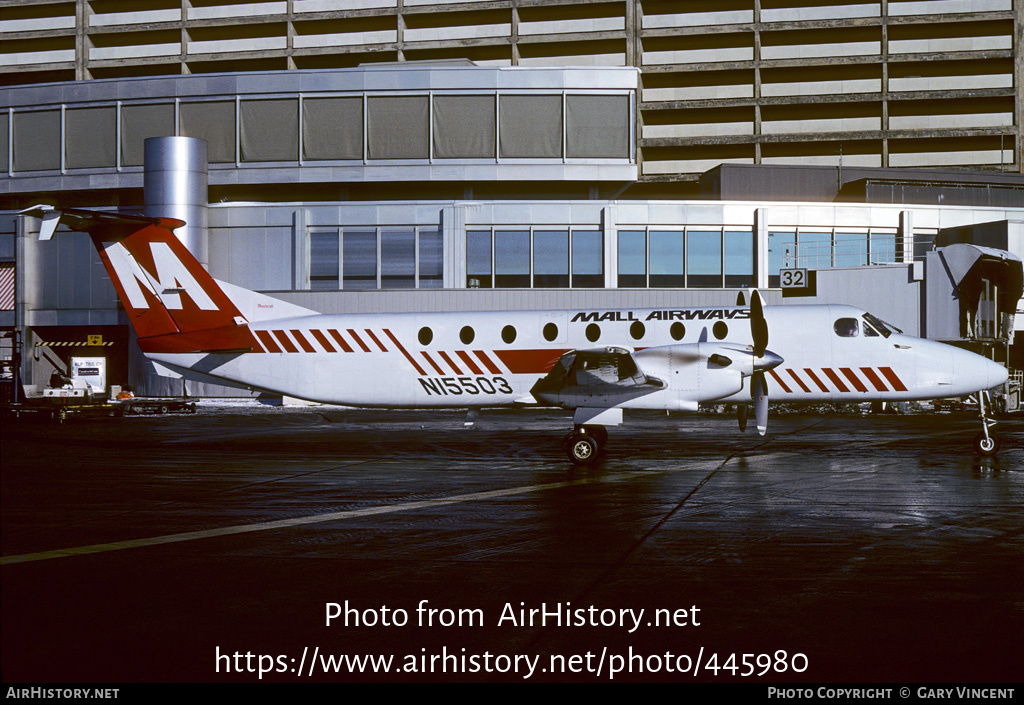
594,362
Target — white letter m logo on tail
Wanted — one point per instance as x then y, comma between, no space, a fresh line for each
171,281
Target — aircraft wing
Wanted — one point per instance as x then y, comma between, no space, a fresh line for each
595,378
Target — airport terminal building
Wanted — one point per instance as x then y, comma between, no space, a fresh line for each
406,155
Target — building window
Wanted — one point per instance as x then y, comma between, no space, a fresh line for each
379,258
431,259
781,255
211,121
851,249
697,258
269,130
587,259
332,128
512,259
704,259
739,258
551,259
666,249
140,122
398,127
478,259
632,259
324,260
90,137
398,259
541,258
464,127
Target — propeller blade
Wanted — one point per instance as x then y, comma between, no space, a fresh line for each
758,326
741,416
759,393
741,300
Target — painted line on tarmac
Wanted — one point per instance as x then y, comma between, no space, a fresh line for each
317,518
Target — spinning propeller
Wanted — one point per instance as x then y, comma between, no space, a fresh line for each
764,360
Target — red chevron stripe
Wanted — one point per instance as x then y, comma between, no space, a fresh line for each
836,379
792,373
873,378
469,361
358,340
286,343
491,367
374,338
268,341
782,384
854,379
341,341
431,361
451,363
306,345
893,378
814,378
401,348
322,339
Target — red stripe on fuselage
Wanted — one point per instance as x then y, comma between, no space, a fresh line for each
782,384
529,361
836,380
854,379
469,361
374,339
286,343
400,347
268,341
814,378
322,339
873,378
451,363
359,341
431,361
792,373
893,378
491,367
341,341
306,345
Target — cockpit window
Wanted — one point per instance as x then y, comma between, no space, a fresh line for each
870,332
847,328
886,329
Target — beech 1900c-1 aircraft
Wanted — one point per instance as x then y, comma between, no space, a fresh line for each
596,363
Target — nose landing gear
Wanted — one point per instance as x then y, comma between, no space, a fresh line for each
985,443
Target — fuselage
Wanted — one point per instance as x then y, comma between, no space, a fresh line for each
478,359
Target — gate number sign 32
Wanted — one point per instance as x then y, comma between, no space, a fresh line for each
793,278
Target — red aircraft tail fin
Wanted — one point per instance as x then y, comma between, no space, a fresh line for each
173,303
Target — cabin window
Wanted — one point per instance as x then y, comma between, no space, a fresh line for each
508,334
847,328
426,335
550,332
677,331
720,329
466,335
637,330
593,332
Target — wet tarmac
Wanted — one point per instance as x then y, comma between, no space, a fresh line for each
235,544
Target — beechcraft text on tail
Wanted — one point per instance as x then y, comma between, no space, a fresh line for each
594,362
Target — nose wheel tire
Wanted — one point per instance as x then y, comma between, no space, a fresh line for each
582,448
986,444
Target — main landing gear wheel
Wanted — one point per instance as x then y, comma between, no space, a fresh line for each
582,448
985,444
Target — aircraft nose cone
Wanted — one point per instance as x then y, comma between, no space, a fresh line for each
977,373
